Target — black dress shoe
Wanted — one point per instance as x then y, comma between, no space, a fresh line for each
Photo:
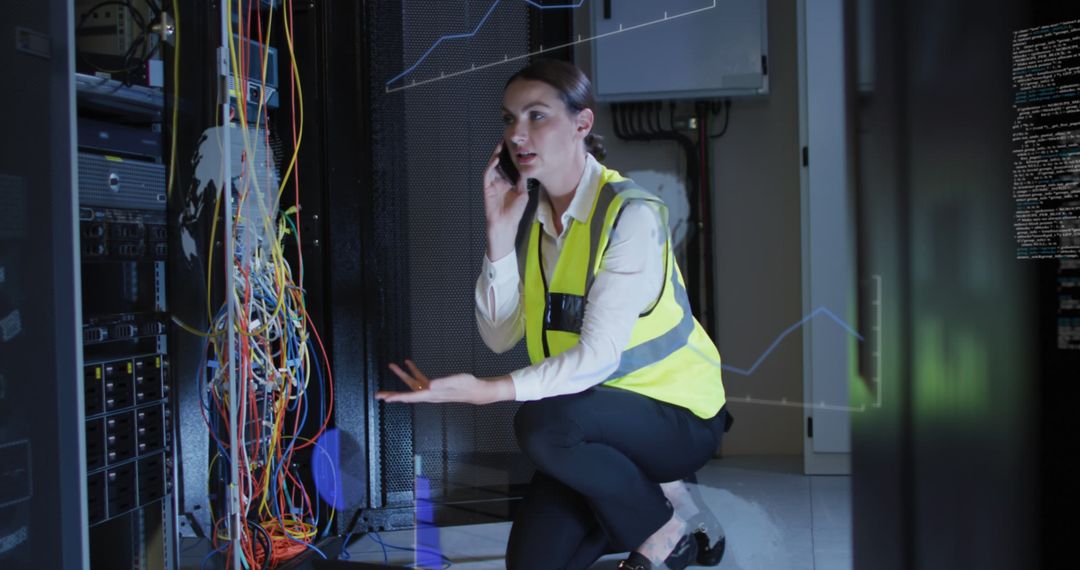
709,555
635,562
684,553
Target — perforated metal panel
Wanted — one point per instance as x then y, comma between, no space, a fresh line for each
433,140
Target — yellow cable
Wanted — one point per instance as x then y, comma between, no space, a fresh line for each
283,312
277,254
241,105
176,96
242,110
300,98
210,259
192,329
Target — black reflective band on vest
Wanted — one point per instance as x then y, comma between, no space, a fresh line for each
564,312
543,281
521,240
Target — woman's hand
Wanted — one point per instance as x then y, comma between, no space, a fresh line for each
504,204
461,388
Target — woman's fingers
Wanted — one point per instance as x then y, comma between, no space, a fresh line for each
418,382
417,375
405,377
414,378
406,397
491,173
461,388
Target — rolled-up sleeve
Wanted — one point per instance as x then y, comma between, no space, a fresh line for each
498,304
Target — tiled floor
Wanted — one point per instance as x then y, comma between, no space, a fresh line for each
775,519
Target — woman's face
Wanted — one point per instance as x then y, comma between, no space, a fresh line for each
541,133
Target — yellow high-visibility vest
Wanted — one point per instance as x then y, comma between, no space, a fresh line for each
670,356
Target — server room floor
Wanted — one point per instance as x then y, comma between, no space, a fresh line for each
774,517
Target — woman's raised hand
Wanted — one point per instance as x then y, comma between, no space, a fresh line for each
462,388
504,204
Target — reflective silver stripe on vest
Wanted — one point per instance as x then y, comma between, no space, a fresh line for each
665,345
596,227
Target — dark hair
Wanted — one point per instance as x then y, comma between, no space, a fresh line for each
574,88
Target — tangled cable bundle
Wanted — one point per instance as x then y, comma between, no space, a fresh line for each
262,339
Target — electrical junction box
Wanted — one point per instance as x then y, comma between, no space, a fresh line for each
679,49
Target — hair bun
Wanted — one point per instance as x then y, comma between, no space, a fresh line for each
595,145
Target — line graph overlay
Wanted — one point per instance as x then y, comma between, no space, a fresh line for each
506,58
787,404
876,331
788,331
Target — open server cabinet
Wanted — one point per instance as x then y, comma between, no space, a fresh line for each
112,439
391,235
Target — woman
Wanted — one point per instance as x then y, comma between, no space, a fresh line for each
623,399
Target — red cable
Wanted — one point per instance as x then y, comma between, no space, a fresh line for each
329,383
296,167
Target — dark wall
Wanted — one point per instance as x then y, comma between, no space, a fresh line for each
954,470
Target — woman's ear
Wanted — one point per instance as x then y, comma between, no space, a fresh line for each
585,122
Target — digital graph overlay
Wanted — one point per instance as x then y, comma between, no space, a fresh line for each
875,339
402,85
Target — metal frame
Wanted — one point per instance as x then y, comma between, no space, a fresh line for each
38,168
815,462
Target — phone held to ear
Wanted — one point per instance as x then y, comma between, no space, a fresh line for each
506,165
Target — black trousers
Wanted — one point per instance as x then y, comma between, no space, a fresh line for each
600,457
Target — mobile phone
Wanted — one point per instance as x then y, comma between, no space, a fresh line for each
506,165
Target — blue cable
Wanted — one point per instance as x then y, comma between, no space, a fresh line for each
281,520
277,507
345,548
315,548
293,354
385,555
319,374
322,414
198,541
300,406
200,377
375,536
218,550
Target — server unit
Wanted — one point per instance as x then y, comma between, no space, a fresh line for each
116,40
123,244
